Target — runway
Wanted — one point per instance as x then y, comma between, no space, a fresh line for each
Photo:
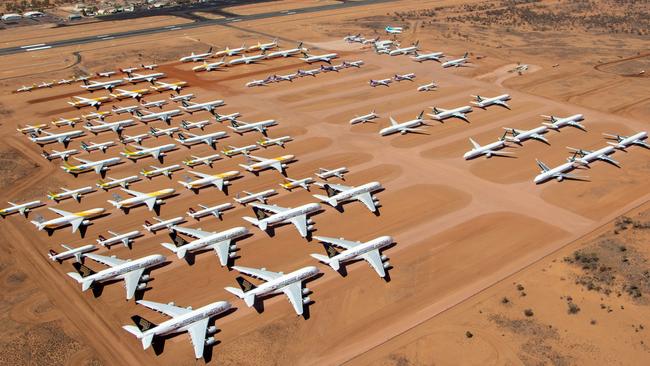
39,46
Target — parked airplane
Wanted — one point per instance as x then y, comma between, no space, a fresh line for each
131,271
247,59
45,84
32,129
149,67
137,78
70,193
106,74
328,173
499,100
623,142
328,57
382,82
404,50
157,152
336,68
518,136
25,88
215,211
288,52
74,219
393,30
232,151
91,86
95,115
312,72
66,121
266,215
428,87
356,64
488,150
279,141
404,127
420,57
243,127
98,166
126,239
364,118
196,160
218,180
558,122
112,183
220,242
81,102
126,139
275,283
129,70
153,104
193,321
257,83
264,46
162,224
76,253
230,51
145,116
63,155
558,173
209,139
337,194
226,117
178,98
157,132
65,81
257,164
197,57
205,66
176,86
62,138
155,171
295,183
102,126
135,94
250,197
22,208
287,77
368,251
459,62
587,156
92,146
151,199
404,77
440,114
191,107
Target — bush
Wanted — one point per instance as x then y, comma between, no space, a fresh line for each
528,312
573,308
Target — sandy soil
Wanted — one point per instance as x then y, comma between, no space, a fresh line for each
462,229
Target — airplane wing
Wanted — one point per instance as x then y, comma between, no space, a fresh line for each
83,160
277,166
167,309
294,293
61,212
197,331
155,153
270,208
338,187
192,232
474,143
257,158
461,116
374,259
366,199
134,193
75,223
222,249
131,281
542,166
259,273
202,175
338,242
300,222
151,202
539,137
109,261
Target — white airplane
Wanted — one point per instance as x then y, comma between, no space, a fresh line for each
428,87
196,160
153,104
232,151
364,118
126,239
178,98
311,72
266,215
151,199
587,156
81,78
126,139
66,121
295,183
488,150
287,77
137,78
328,173
148,116
218,180
32,129
149,67
288,52
243,127
404,77
279,141
70,193
337,194
328,57
193,321
558,173
393,30
91,86
440,114
226,117
420,57
98,166
250,197
22,208
197,57
257,164
157,152
264,46
76,253
257,83
459,62
74,219
162,224
157,132
215,211
205,66
135,94
336,68
102,126
382,82
623,142
191,107
209,139
230,51
499,100
63,155
121,182
404,50
176,86
65,81
62,138
131,271
106,74
81,102
404,127
155,171
558,122
368,251
518,136
25,88
45,84
92,146
95,115
122,110
275,283
129,70
247,59
356,63
220,242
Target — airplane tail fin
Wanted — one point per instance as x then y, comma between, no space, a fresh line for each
142,323
133,330
82,270
330,191
465,55
245,284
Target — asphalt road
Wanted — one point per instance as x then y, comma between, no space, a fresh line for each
202,23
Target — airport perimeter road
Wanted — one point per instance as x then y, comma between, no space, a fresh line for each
171,28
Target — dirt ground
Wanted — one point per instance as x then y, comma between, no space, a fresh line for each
485,269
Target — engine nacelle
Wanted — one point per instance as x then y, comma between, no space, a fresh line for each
384,257
145,278
559,178
284,166
159,202
310,222
85,222
306,291
232,255
306,300
142,286
171,303
386,264
210,341
310,227
233,247
488,155
212,329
